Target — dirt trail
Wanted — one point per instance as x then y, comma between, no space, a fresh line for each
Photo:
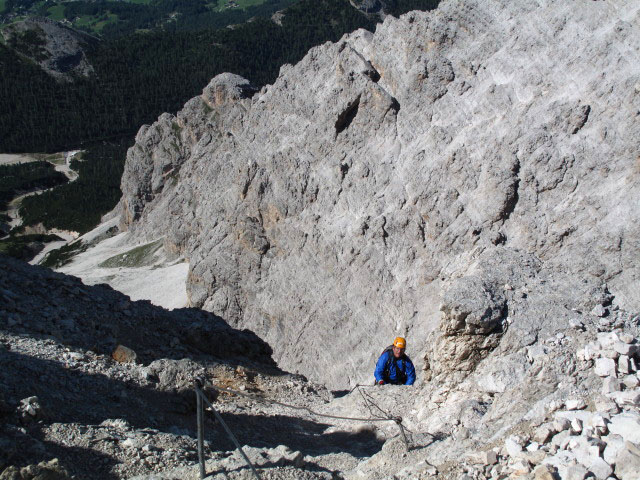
62,165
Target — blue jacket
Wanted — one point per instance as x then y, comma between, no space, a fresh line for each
403,364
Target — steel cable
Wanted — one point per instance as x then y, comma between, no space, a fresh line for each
307,409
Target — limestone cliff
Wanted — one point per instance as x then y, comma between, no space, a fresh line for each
467,177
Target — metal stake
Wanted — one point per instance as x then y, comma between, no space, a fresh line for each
200,409
231,436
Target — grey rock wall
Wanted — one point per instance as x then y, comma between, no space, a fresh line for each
466,177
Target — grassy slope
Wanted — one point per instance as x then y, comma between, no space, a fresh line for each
137,257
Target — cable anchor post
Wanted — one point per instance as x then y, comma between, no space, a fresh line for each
197,385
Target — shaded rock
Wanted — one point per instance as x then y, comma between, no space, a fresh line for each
30,410
124,354
51,470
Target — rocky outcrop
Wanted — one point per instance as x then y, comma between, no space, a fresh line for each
466,177
58,49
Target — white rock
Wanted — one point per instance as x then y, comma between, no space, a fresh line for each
615,443
628,462
131,442
583,415
605,367
587,451
607,339
534,458
631,381
599,311
623,364
554,405
521,467
533,447
611,384
628,397
626,337
514,449
576,426
599,420
590,351
575,404
575,472
544,432
609,353
577,324
601,469
625,348
585,448
604,404
627,425
561,439
487,457
561,460
560,424
75,356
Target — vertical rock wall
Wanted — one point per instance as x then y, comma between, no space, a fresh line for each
465,177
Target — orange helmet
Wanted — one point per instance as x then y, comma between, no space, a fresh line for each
400,342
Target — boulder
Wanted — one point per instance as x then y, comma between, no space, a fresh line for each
611,384
627,397
544,472
615,444
605,367
544,432
628,462
124,354
627,425
575,472
575,404
30,410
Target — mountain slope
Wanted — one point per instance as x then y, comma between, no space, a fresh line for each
398,182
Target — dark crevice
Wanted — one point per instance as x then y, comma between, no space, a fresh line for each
347,116
395,105
344,169
581,115
512,201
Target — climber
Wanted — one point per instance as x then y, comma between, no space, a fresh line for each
394,366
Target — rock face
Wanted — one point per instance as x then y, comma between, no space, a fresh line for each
58,49
467,178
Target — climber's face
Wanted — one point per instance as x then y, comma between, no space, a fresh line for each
397,352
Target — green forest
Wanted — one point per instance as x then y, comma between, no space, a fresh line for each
78,206
25,177
110,19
